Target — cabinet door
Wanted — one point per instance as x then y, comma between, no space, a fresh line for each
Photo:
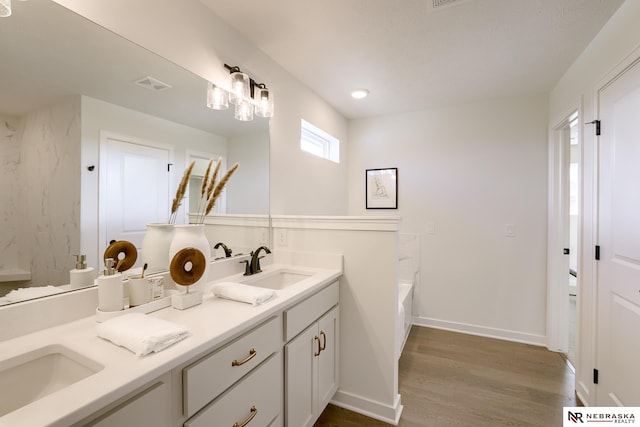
300,382
328,366
151,407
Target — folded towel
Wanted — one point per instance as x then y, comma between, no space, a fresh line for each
243,293
142,334
23,294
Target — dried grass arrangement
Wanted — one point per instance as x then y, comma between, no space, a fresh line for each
180,192
211,190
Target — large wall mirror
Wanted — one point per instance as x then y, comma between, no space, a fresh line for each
68,95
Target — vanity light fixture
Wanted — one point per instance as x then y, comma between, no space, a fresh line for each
359,93
5,8
246,94
217,98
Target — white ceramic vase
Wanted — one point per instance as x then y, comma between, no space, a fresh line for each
155,247
191,236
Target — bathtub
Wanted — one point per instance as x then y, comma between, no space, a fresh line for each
405,304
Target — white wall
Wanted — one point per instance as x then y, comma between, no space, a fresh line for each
616,41
201,42
469,170
248,191
368,303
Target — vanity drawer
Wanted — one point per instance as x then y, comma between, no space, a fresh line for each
297,318
210,376
260,396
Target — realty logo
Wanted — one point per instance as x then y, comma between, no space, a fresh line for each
575,417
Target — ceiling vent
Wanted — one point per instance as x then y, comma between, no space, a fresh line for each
441,4
153,84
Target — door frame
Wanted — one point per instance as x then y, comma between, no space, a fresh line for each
104,137
557,230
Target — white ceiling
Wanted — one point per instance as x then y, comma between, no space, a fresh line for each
412,55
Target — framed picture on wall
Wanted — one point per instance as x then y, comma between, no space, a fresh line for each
382,188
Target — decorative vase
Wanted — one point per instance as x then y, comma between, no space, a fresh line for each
155,247
191,236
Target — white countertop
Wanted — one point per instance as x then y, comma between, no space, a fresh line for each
212,323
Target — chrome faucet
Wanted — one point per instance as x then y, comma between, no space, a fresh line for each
253,266
227,251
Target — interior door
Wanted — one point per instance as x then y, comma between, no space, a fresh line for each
618,329
136,189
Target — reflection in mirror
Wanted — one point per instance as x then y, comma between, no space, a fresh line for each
68,99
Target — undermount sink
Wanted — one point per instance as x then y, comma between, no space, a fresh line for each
278,279
38,373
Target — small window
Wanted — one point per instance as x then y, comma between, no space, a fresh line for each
315,141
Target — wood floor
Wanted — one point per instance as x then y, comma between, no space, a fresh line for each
451,379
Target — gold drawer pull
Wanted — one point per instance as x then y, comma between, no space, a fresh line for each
252,354
324,340
319,348
253,413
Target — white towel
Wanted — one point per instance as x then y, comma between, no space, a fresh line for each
142,334
243,293
23,294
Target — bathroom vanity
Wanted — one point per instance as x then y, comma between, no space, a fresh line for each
270,365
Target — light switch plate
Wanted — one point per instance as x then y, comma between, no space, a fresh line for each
431,228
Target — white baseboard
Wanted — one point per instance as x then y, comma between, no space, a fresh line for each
482,331
368,407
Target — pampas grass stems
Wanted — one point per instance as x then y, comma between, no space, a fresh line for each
203,188
182,188
216,193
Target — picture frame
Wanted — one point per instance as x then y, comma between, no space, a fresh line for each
381,190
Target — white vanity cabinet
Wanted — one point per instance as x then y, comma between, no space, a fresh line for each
238,384
280,370
311,357
254,401
149,407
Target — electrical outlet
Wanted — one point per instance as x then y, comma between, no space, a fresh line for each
510,230
264,236
282,237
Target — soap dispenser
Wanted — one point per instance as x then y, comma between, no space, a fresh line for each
81,276
110,288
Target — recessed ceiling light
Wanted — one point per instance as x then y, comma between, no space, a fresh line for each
359,93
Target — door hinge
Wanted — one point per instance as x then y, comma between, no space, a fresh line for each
566,251
595,376
597,123
169,167
597,252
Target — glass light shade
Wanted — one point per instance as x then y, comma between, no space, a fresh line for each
264,102
217,98
5,8
239,88
244,111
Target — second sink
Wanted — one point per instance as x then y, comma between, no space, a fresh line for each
38,373
278,279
